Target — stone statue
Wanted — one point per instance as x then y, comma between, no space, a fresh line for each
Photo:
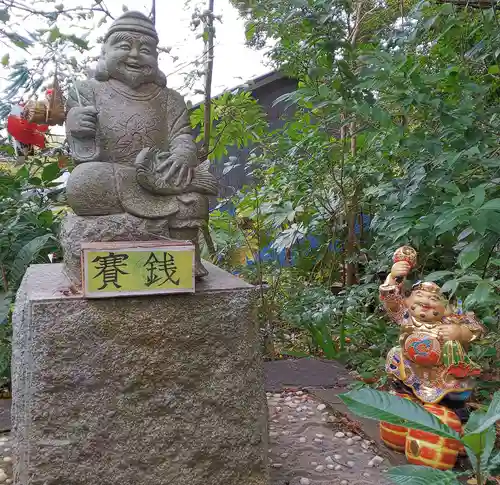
431,361
130,136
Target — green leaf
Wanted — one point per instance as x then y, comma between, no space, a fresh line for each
469,255
4,15
494,464
491,417
249,30
54,34
482,292
51,172
27,255
495,69
437,275
421,475
5,302
383,406
6,59
450,286
492,205
480,222
480,444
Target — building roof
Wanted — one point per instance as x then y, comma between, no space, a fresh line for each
251,85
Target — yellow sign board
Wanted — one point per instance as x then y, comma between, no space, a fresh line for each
137,268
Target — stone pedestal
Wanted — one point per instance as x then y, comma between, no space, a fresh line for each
129,391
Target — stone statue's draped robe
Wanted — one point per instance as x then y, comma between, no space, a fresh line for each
128,121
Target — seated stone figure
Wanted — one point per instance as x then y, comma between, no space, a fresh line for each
131,140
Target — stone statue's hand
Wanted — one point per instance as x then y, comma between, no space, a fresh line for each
177,170
449,332
82,121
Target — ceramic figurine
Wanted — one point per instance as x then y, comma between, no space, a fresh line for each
430,359
430,362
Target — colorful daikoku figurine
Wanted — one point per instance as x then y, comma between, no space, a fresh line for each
430,360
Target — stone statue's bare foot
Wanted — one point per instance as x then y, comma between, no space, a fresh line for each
199,270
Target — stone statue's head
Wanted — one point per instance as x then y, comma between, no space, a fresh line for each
130,52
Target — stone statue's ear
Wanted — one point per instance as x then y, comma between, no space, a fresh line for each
161,79
101,71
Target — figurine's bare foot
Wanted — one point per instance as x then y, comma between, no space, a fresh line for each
199,270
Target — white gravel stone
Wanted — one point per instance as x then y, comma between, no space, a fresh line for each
320,436
330,466
314,463
366,475
337,457
356,438
338,468
284,455
344,482
310,413
288,399
350,464
277,465
305,481
273,434
318,441
303,419
329,459
277,396
321,407
349,435
7,459
278,409
285,432
332,419
350,451
320,468
339,434
299,393
8,480
302,439
349,442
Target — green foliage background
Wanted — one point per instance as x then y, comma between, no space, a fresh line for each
395,116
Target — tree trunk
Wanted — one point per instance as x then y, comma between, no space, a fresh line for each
209,68
153,12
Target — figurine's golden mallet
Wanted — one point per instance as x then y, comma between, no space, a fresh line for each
409,255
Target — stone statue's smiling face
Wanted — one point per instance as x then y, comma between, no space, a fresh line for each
131,58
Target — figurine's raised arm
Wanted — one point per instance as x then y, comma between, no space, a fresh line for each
390,292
